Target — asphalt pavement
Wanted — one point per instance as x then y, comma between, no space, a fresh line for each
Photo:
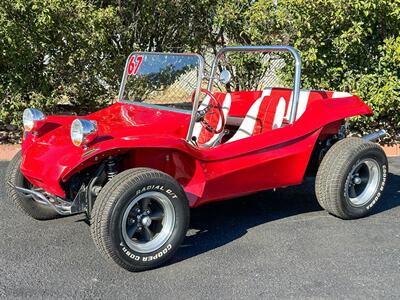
270,245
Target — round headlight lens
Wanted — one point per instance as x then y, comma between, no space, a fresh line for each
83,131
31,118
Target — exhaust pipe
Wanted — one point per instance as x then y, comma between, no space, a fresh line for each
372,137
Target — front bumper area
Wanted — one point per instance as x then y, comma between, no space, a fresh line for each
62,207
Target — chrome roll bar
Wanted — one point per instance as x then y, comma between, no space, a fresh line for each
297,73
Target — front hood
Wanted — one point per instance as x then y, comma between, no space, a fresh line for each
118,121
50,155
122,120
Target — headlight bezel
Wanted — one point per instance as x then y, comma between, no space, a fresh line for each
83,132
32,119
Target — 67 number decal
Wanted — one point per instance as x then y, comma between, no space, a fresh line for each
134,64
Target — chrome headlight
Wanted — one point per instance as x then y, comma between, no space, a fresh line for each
32,119
83,131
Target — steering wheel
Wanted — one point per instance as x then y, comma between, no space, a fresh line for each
208,110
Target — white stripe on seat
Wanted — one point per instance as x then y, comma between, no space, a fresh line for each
302,105
246,128
226,106
266,92
340,95
279,114
303,101
249,122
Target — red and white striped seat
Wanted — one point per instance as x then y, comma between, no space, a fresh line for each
265,114
268,112
272,110
205,137
308,96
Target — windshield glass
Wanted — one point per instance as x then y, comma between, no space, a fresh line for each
169,80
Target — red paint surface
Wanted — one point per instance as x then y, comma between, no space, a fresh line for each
156,138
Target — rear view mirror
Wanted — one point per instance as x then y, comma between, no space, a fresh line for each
225,76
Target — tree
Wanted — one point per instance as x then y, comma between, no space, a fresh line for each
345,45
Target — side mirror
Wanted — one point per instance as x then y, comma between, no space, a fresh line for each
225,76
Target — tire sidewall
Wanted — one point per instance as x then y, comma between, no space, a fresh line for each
178,199
27,205
359,211
14,174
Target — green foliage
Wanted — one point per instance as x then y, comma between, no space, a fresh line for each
345,45
381,91
53,51
72,52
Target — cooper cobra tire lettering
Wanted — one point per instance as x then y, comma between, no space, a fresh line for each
145,258
378,195
336,173
110,215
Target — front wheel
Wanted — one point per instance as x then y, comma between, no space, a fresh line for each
140,218
351,178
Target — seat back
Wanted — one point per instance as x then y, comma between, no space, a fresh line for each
205,137
305,98
273,108
265,114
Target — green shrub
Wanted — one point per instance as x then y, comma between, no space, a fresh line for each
381,90
345,45
56,52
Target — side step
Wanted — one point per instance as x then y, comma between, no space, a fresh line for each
62,207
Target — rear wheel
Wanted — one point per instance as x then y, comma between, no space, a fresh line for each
25,203
351,178
140,218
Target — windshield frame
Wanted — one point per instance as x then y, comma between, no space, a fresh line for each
161,107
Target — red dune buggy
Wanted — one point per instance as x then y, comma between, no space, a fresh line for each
136,167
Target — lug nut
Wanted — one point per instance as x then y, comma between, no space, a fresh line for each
357,180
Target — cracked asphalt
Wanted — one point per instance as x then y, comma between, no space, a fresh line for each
270,245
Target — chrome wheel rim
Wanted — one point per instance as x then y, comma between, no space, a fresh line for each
148,222
363,182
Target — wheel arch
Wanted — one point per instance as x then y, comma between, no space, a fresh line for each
174,161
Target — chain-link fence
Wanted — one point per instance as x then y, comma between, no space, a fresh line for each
253,71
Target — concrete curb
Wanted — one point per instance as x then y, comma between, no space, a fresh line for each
7,152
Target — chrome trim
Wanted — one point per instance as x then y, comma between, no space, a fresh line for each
62,207
371,180
168,221
89,131
196,99
372,137
274,48
37,118
42,199
161,107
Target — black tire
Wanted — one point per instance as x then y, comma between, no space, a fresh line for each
120,198
351,178
25,204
